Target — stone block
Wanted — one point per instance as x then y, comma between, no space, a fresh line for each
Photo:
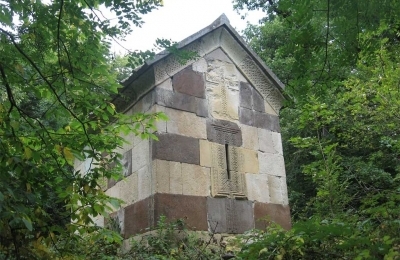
175,100
178,148
127,163
266,121
257,187
189,82
160,125
200,65
144,183
140,155
229,215
272,164
167,85
192,209
269,109
196,180
246,95
205,153
246,116
264,213
269,142
258,101
277,190
250,137
224,132
129,189
161,172
249,161
201,107
148,101
187,124
218,54
136,217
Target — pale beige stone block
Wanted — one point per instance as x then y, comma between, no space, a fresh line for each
167,84
257,187
200,65
160,125
270,142
140,155
161,176
129,189
144,183
250,137
175,178
249,161
269,109
185,123
114,191
196,180
277,190
272,164
205,153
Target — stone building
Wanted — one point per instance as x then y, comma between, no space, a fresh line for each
218,163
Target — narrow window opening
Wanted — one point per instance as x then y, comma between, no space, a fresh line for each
228,170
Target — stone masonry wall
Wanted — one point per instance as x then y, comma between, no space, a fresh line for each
218,163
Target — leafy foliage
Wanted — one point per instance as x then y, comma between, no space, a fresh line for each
57,82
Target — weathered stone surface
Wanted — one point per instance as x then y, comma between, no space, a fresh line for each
119,217
266,121
167,85
258,101
205,153
200,65
230,215
224,132
161,125
196,180
127,163
189,82
218,54
250,137
145,185
201,107
246,95
277,190
175,100
193,209
148,100
161,176
269,142
128,189
266,212
187,124
178,148
272,164
269,109
136,217
222,90
246,116
140,155
257,187
249,161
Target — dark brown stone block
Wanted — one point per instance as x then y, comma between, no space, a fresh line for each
246,116
229,215
178,148
266,121
189,82
246,95
192,209
175,100
258,101
264,213
137,217
224,132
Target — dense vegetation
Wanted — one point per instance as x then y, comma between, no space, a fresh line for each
340,63
339,60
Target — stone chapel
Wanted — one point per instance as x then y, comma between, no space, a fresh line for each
218,163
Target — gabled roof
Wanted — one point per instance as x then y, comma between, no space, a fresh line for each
219,34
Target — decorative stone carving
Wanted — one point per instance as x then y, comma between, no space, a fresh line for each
224,132
227,178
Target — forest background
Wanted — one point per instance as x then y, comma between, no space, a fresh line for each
339,60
